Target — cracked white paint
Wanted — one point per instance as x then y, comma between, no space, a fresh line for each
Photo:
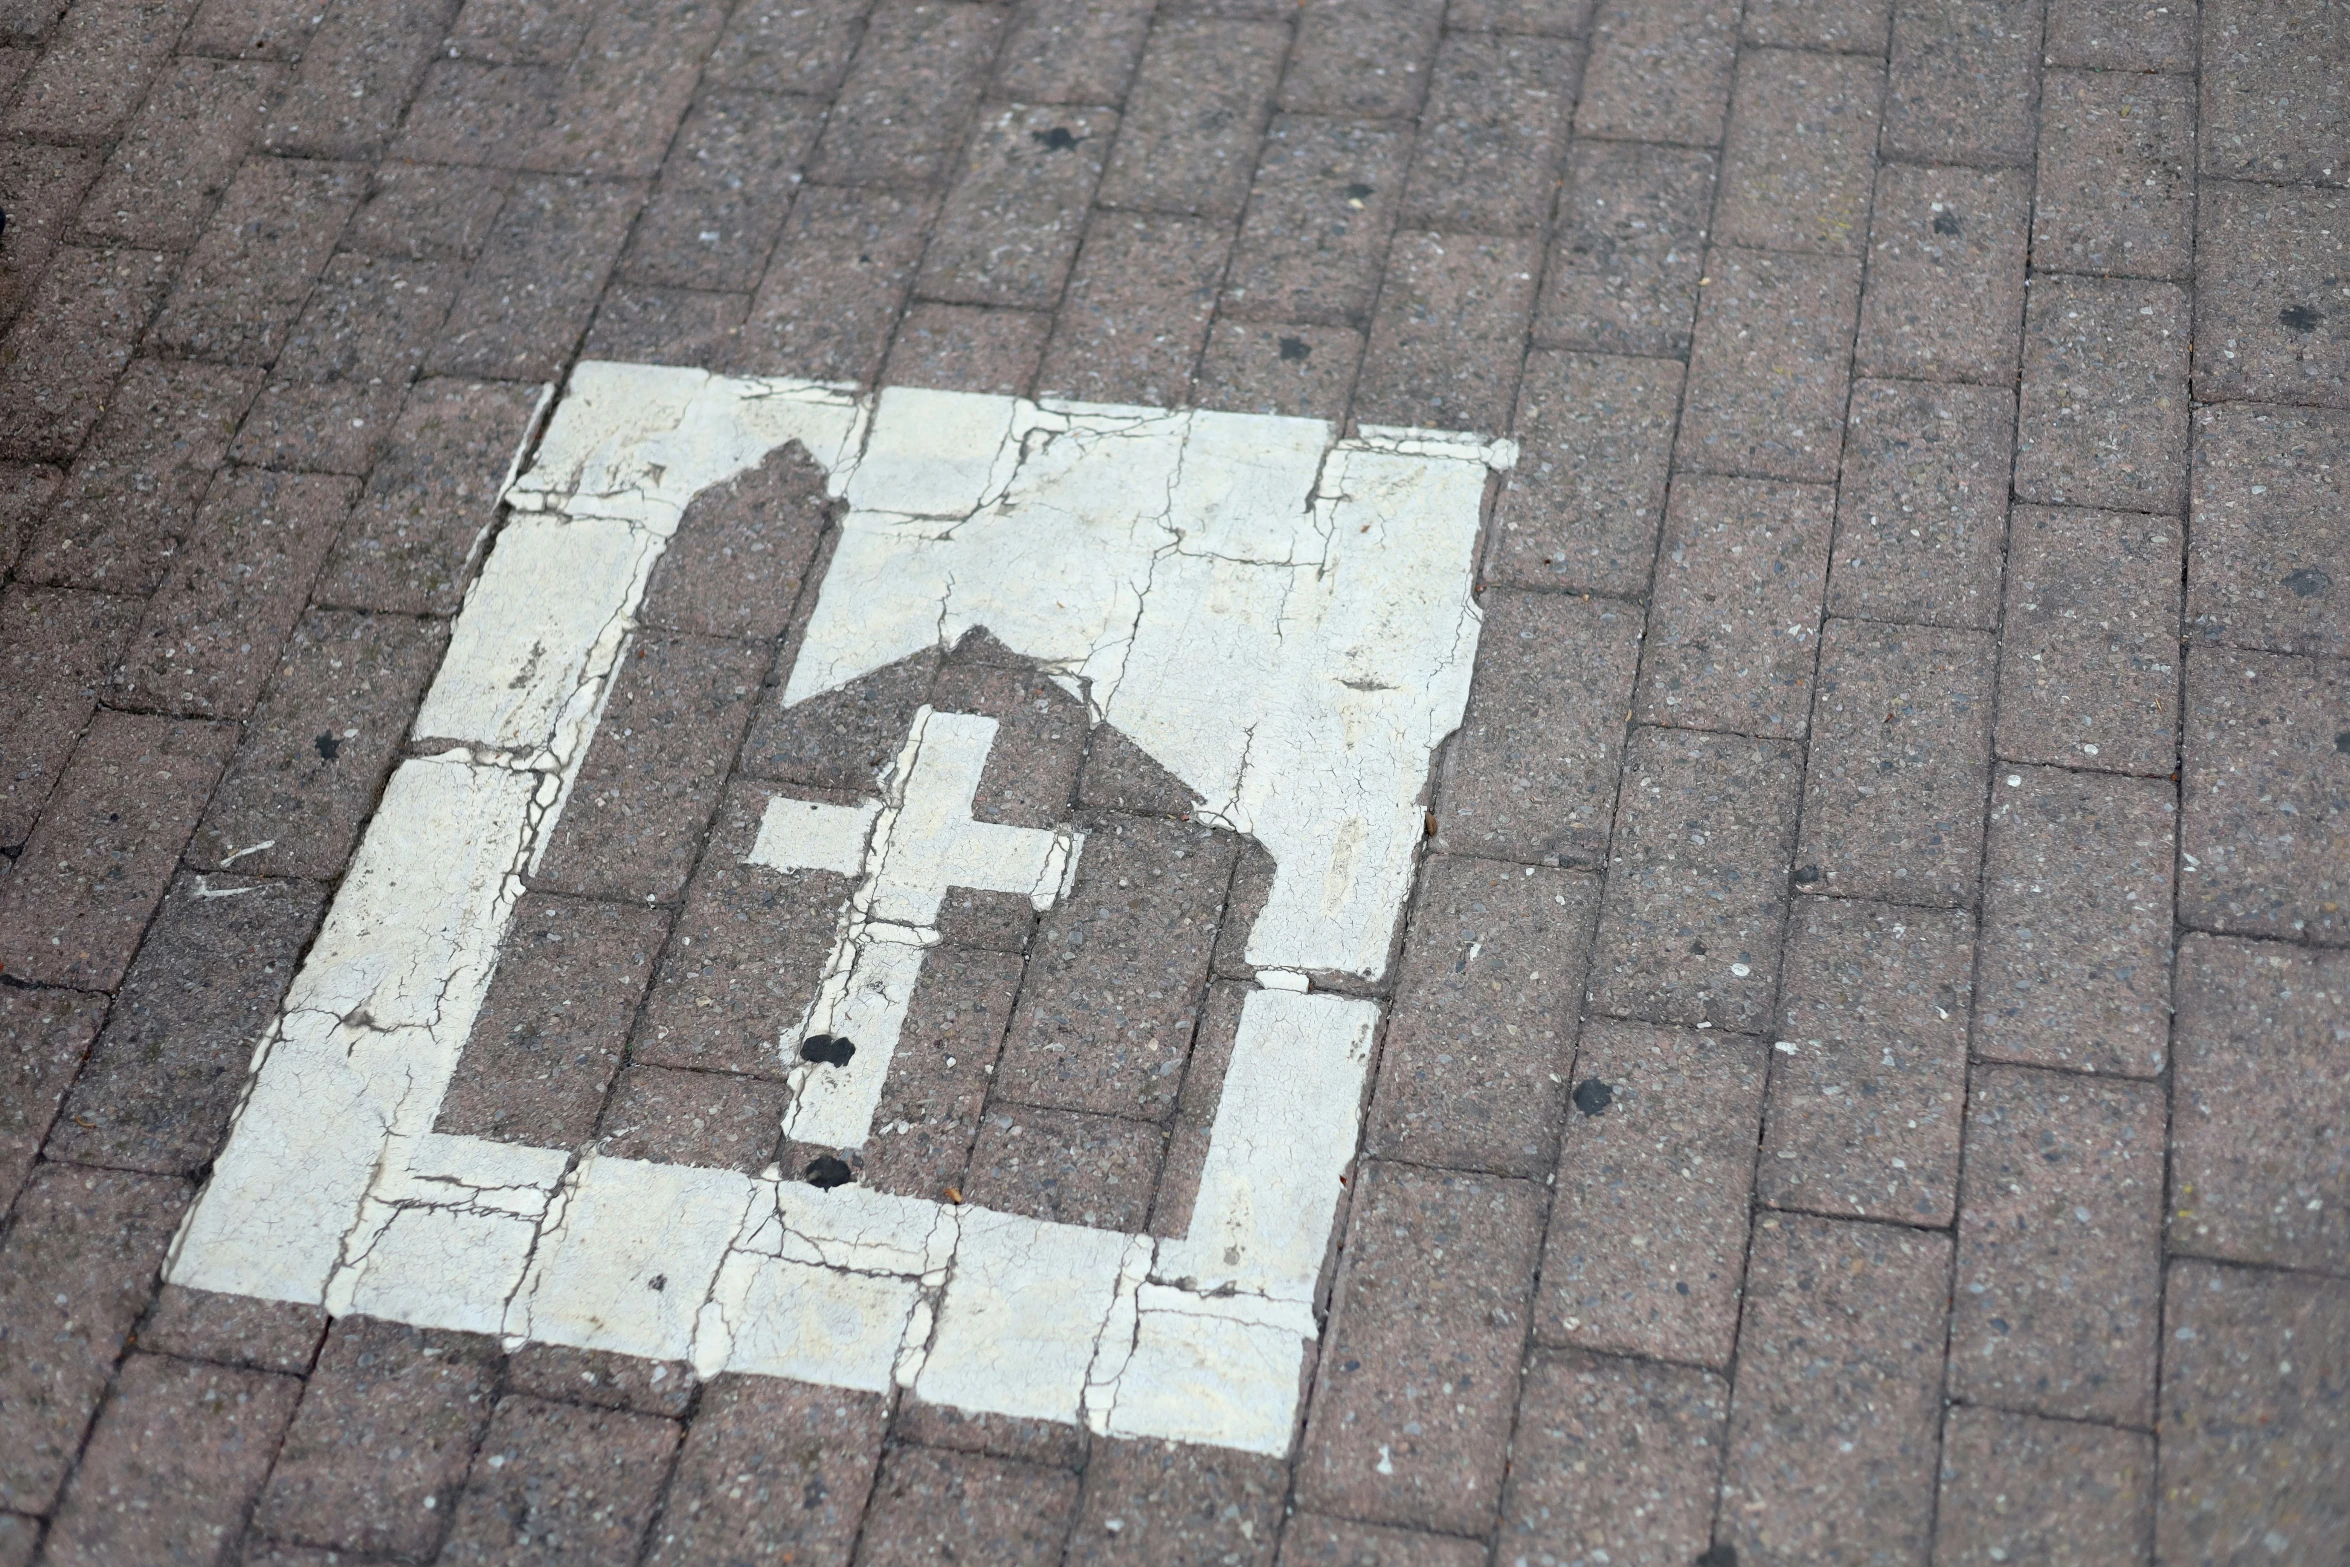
1280,617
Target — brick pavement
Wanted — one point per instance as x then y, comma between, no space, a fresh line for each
1912,737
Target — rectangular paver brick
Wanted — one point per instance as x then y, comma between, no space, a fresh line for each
249,274
251,29
2088,654
1295,369
711,1119
1801,156
797,46
44,1034
2273,318
1624,264
1072,51
667,326
1838,1402
1474,1071
165,1076
1921,516
2121,35
1769,365
1613,1455
410,543
173,1464
1413,1402
1647,1238
735,564
971,348
1532,774
45,187
1165,1502
1696,898
931,1506
1319,215
2255,1446
2262,837
77,1270
234,1330
770,1469
96,69
1945,300
1491,137
180,154
1365,57
26,490
1136,314
2076,921
59,362
2059,1283
940,1073
1550,18
1583,505
1009,229
1195,116
558,1483
603,1378
1066,1166
1868,1075
530,294
357,72
77,903
1836,26
429,212
212,632
1310,1541
1659,72
834,285
1444,348
519,32
625,91
2116,192
389,1422
2103,418
2265,542
901,111
1961,81
1733,620
1901,740
2042,1490
549,1036
467,112
56,650
2258,1169
2274,103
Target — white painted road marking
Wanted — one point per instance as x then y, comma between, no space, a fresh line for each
1281,618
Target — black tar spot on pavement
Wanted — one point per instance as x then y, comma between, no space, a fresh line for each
1294,349
2308,582
1593,1096
658,1282
1805,875
1946,223
1724,1555
2299,318
1357,193
327,745
825,1172
829,1049
1058,139
2342,742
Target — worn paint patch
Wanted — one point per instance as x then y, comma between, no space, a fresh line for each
1281,619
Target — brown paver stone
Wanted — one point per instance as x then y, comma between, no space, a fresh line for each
45,186
357,72
1136,313
1733,621
1901,739
1659,72
1168,1503
1053,1443
787,45
1030,775
939,1074
1309,1541
2103,419
843,739
667,326
1499,111
1474,1071
411,542
1945,300
1531,775
1868,1074
1613,1455
1695,888
968,348
1550,18
2116,190
73,910
320,744
2059,1283
1445,342
388,1424
735,564
627,88
771,1470
518,32
467,112
2265,829
2266,529
1324,202
165,1076
599,1377
1367,57
1921,515
1066,1167
1838,1401
250,29
59,361
2088,668
1837,26
1292,369
1631,239
2272,294
1008,232
530,294
56,649
1962,80
701,1118
1583,505
180,154
245,282
2274,105
931,1507
1625,1269
1799,163
2042,1490
2076,921
75,1273
233,1330
212,633
548,1038
173,1464
2259,1170
43,1036
25,492
1768,366
900,112
2121,35
428,212
1412,1406
558,1483
96,69
1194,117
2255,1443
1072,51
